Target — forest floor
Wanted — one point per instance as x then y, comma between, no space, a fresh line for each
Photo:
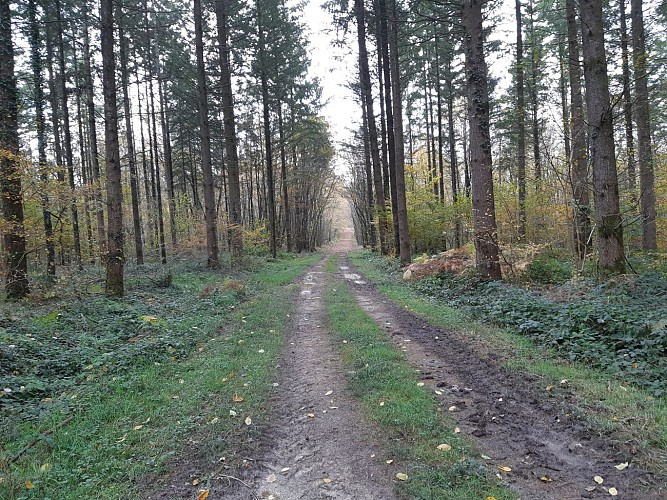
320,443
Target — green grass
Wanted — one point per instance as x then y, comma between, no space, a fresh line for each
409,416
628,413
130,422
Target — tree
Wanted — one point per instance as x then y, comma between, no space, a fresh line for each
11,194
484,214
521,123
115,259
643,118
601,132
213,260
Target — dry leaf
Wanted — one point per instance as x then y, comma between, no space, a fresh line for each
598,479
284,469
328,393
248,420
311,415
549,388
232,413
439,393
120,440
372,455
28,484
137,427
420,384
546,479
504,468
261,351
457,430
195,482
381,403
214,420
237,398
613,492
326,480
203,495
402,477
490,498
389,462
271,478
44,467
452,408
622,466
444,447
486,457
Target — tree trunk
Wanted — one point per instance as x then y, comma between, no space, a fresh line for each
627,102
40,126
438,97
368,169
401,203
453,164
231,148
643,117
283,176
521,123
11,195
533,96
168,162
213,260
115,259
484,214
579,157
601,133
134,185
372,128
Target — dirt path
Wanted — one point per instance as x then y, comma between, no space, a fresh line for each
507,414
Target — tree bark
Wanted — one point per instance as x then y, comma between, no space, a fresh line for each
213,260
231,147
521,123
627,102
484,214
601,133
115,258
643,117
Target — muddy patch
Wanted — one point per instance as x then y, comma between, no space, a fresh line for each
551,453
318,443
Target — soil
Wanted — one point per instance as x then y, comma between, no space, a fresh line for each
511,418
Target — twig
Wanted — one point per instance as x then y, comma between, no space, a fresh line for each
38,438
235,479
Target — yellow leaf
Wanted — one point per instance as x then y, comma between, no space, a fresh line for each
237,398
444,447
402,477
613,492
203,495
549,388
490,498
622,466
326,480
271,478
137,427
598,479
248,421
28,484
546,479
44,467
504,468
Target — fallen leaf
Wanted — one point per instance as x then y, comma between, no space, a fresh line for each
137,427
248,420
613,491
444,447
457,430
195,482
181,381
504,468
452,408
420,384
311,415
28,484
214,420
284,469
237,398
486,457
120,440
203,495
549,388
261,351
326,480
402,477
328,393
232,413
490,498
590,488
44,467
271,478
546,479
622,466
389,462
381,403
439,393
598,479
344,341
372,455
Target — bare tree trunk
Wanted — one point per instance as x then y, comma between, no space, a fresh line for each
453,163
627,102
484,214
643,117
521,123
438,97
372,128
168,162
213,260
401,203
40,125
533,96
115,259
134,186
231,148
579,158
372,238
283,176
601,133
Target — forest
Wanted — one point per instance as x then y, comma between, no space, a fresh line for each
201,269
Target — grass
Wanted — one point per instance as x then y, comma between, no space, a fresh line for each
407,413
129,423
629,414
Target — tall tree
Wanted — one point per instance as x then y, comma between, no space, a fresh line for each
484,213
521,122
213,260
11,194
115,259
601,132
643,118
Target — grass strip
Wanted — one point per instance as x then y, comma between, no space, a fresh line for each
631,414
408,414
132,426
